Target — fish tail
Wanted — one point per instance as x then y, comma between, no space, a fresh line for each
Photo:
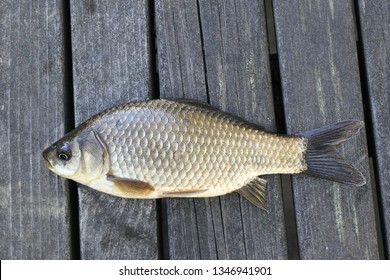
324,161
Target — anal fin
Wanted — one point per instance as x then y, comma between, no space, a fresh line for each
254,191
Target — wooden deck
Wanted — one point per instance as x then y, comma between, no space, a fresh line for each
62,61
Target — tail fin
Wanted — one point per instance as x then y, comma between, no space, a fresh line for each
322,158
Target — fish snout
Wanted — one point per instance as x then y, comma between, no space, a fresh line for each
46,155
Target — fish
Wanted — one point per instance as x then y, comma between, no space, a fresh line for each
186,148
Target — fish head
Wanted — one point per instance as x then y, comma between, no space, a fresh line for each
63,157
82,157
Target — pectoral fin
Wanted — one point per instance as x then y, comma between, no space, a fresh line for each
254,191
130,188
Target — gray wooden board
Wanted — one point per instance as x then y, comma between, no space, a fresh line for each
320,82
111,65
375,32
233,38
34,211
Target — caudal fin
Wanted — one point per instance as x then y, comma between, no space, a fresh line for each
324,161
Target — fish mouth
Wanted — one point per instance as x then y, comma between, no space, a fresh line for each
47,162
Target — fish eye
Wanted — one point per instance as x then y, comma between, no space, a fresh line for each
64,153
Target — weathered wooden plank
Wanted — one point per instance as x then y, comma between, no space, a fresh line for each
375,34
320,81
34,211
233,38
111,65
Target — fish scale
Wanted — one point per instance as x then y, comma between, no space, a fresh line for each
194,148
165,148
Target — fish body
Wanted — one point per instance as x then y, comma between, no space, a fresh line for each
164,148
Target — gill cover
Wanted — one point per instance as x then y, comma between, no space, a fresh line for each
94,157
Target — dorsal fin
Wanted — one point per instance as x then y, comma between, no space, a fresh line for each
254,191
193,102
207,106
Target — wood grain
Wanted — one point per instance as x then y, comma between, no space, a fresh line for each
320,81
34,211
375,34
111,65
217,51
